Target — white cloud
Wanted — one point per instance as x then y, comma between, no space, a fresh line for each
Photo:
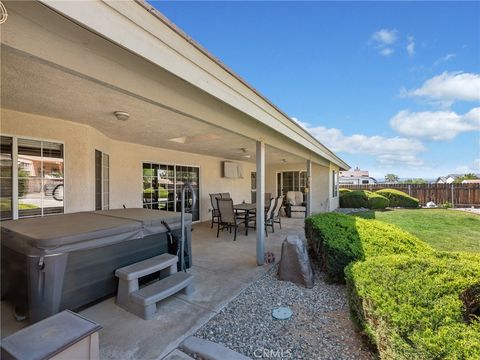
450,87
443,59
385,37
386,51
474,167
383,41
411,46
435,125
387,151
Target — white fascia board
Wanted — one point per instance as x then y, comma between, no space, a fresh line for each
127,24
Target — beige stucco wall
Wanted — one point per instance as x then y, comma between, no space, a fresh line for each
125,163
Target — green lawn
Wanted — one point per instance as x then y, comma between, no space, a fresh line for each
443,229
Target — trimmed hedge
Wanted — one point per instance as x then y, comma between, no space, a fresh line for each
413,302
363,198
410,307
376,201
399,198
340,239
344,191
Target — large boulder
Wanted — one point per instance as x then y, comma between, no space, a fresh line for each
294,263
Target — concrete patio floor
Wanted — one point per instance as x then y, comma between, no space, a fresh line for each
222,268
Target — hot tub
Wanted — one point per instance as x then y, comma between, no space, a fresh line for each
67,261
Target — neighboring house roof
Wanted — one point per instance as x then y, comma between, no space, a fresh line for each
471,181
360,178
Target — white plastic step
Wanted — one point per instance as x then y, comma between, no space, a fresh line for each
146,267
161,289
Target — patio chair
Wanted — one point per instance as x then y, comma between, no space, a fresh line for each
228,218
225,196
215,212
269,215
295,203
276,211
268,196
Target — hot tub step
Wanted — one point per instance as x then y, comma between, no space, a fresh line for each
147,267
143,301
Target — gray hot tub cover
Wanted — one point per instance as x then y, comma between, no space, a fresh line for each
295,264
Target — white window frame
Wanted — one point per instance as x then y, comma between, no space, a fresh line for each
15,172
281,181
156,162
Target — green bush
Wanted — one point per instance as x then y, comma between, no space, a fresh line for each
341,239
376,201
413,302
410,306
447,205
363,198
399,198
344,191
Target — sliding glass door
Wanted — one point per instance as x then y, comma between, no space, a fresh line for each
291,181
162,187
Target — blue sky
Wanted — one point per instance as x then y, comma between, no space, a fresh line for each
391,87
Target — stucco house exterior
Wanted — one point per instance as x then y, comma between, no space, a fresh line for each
111,100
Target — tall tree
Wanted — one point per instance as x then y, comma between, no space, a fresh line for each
391,178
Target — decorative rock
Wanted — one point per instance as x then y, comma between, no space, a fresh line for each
294,264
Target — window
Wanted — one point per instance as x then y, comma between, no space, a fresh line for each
6,177
38,178
291,181
335,183
162,187
102,181
364,181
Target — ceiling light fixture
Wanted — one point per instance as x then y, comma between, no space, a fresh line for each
121,115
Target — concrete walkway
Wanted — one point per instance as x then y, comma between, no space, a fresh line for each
222,269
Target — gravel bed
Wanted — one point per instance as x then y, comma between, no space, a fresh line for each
320,327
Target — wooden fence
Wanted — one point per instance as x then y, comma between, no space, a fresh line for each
461,195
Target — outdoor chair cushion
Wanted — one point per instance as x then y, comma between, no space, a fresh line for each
295,198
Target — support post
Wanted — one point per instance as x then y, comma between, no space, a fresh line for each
260,201
309,187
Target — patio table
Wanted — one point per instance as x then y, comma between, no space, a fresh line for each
247,208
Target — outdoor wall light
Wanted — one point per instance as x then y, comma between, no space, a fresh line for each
121,115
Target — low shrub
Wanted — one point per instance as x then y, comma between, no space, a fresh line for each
447,205
399,198
376,201
411,301
363,198
340,239
411,306
344,191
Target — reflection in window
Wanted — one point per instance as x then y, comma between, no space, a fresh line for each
162,187
40,178
6,176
